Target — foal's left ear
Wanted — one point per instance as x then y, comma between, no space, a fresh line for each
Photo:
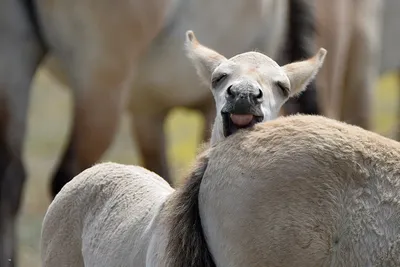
204,59
303,72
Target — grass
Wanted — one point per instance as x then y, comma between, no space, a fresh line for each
49,119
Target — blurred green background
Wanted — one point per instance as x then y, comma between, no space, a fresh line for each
49,118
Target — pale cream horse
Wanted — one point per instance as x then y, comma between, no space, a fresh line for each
297,191
165,79
119,215
99,43
352,31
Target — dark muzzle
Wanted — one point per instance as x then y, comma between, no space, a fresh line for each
242,110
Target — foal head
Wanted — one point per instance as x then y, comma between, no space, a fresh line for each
250,87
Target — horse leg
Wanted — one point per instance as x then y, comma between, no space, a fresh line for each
334,25
20,55
97,108
363,63
148,131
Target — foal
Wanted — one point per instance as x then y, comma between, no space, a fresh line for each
250,87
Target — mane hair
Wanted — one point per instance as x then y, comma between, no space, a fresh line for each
187,246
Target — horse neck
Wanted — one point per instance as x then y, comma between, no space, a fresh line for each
227,221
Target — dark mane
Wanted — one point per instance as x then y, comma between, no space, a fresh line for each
187,246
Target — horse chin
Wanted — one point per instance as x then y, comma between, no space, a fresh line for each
230,127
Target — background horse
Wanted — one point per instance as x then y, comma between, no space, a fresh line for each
351,31
99,54
283,29
363,40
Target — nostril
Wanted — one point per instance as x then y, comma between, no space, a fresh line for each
260,94
229,91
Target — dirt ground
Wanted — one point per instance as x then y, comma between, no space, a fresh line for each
47,131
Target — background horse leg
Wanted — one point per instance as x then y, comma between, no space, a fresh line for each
148,131
97,109
363,62
335,28
20,55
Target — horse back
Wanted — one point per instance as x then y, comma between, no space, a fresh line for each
306,191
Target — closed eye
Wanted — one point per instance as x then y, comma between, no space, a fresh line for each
218,79
283,89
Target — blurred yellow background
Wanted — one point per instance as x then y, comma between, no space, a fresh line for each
49,119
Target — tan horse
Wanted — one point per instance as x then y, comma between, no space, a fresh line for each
165,79
99,43
116,215
296,191
351,30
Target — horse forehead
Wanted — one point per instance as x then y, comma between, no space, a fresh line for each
254,62
254,59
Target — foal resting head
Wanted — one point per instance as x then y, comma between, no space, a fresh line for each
250,87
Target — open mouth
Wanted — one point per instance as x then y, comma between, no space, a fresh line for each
234,122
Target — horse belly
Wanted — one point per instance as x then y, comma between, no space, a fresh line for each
173,84
89,35
165,74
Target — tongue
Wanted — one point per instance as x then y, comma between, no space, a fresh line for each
241,120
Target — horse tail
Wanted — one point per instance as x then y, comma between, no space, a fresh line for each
299,46
187,245
33,17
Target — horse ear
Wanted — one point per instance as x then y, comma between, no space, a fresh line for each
203,58
303,72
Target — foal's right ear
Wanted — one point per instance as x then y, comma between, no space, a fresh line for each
203,58
301,73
